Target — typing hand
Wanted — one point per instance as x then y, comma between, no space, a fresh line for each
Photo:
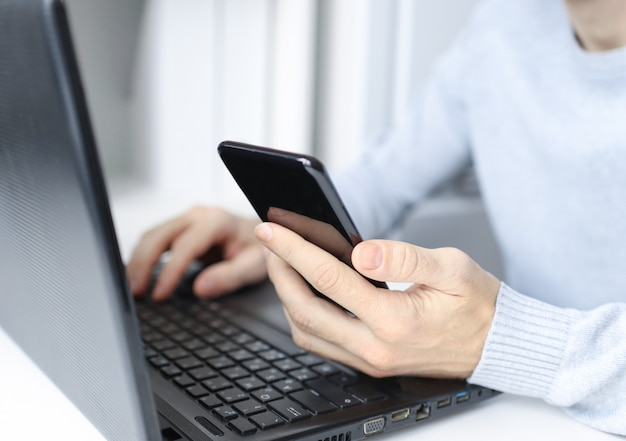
223,241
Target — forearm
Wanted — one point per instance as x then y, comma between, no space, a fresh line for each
572,359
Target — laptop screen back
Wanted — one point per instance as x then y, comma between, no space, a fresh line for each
63,296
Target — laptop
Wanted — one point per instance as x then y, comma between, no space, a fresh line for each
182,370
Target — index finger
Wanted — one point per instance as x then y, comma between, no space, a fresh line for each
148,251
322,234
322,270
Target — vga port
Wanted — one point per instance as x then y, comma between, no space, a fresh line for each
374,425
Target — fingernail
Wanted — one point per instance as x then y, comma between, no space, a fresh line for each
277,211
370,256
263,232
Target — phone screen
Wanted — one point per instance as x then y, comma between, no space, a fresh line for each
295,191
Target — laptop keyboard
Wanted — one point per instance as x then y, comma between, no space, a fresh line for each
248,383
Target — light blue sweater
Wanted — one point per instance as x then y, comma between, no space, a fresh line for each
544,123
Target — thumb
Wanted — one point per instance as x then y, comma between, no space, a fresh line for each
394,261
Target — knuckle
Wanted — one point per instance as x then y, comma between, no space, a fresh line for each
390,334
301,339
199,210
203,213
301,318
327,277
462,267
380,362
408,261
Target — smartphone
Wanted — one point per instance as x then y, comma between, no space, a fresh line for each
294,190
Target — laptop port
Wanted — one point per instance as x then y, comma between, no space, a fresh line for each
462,397
400,415
374,425
423,412
444,402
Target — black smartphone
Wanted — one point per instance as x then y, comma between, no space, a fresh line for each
294,190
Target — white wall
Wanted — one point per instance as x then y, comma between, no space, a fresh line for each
319,76
221,69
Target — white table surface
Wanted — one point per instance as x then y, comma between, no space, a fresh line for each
32,408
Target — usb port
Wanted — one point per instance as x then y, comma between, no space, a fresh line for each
444,402
423,412
462,397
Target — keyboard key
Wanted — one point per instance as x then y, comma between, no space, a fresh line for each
309,359
229,330
202,373
335,394
205,353
241,355
313,402
256,364
184,380
193,344
325,369
217,383
225,413
197,391
226,346
211,401
289,410
288,385
163,344
175,353
235,372
271,355
343,379
233,395
266,420
287,365
180,336
242,427
243,338
171,370
220,362
188,363
270,375
249,407
267,394
250,383
159,361
212,337
148,352
169,329
303,374
198,329
257,346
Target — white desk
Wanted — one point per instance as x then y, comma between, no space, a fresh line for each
32,408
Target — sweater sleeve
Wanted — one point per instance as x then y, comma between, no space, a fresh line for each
570,358
428,147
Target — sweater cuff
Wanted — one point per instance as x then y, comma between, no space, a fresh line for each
525,345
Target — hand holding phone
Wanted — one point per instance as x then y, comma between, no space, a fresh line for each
295,191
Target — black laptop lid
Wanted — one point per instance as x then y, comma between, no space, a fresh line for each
63,295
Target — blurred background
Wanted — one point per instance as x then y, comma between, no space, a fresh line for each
167,80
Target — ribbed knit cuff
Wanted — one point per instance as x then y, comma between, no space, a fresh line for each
524,347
